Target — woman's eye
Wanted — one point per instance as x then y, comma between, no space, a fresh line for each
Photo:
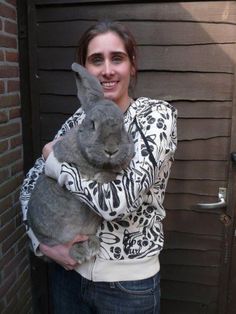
117,59
97,60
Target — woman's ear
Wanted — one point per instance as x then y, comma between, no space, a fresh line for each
133,71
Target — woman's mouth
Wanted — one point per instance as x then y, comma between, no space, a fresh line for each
109,85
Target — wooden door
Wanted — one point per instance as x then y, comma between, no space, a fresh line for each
187,57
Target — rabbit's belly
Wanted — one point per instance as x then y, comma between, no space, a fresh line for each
68,229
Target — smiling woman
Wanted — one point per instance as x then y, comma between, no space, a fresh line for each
131,206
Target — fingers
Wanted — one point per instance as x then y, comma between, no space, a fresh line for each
79,238
69,266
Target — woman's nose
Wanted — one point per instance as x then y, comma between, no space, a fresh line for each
108,68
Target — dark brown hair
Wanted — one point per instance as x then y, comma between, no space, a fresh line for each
102,27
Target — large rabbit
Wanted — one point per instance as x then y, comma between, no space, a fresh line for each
100,147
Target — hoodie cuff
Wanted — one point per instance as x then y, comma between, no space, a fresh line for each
52,166
35,243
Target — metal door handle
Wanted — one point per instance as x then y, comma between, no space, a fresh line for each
221,204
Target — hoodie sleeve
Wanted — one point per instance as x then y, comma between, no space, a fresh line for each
124,195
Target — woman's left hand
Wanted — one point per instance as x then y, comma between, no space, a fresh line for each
47,149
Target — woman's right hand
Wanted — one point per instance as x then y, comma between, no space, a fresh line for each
60,253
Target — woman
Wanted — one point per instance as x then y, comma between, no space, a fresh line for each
124,277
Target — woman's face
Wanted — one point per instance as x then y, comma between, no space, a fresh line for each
108,60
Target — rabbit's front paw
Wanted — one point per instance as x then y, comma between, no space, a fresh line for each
83,251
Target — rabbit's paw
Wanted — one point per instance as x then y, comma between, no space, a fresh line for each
83,251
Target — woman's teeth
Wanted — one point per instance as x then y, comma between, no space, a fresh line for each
108,84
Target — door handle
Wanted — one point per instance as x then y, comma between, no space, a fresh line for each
220,204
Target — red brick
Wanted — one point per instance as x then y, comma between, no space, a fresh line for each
10,185
13,264
8,215
12,56
11,308
4,174
5,204
12,239
13,2
3,146
3,116
10,27
7,11
23,242
23,264
8,71
1,55
5,259
9,129
2,306
7,41
13,86
10,157
16,193
17,167
7,284
7,101
2,88
16,141
6,230
15,113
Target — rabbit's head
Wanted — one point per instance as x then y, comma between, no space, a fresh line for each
102,137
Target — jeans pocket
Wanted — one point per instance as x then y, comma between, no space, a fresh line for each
139,287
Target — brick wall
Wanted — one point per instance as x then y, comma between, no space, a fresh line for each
15,286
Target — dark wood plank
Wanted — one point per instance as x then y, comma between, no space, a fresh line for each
188,202
211,149
198,170
189,129
202,187
187,307
198,275
58,104
185,86
189,292
205,58
190,257
50,124
199,58
67,33
203,109
188,221
161,85
207,11
187,241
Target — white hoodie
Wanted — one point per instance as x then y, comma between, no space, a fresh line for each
131,234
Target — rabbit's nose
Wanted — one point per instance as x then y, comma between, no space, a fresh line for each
110,152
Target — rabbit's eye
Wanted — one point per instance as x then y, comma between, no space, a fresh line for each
92,125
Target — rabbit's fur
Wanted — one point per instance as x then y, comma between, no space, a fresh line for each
100,147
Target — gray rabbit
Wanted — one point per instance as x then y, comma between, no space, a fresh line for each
100,148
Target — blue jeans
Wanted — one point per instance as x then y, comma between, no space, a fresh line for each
73,294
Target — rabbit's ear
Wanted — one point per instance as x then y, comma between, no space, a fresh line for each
89,89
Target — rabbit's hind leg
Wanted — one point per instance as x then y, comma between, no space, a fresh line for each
83,251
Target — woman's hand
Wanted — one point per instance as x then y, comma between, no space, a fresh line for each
60,253
47,149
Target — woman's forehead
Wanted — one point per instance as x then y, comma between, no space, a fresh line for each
107,42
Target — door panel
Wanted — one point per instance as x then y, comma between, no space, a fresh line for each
187,57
